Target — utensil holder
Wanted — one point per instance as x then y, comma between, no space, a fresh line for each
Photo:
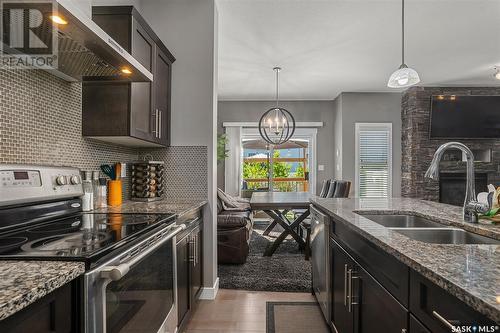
114,192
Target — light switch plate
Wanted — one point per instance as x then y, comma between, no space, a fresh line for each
321,167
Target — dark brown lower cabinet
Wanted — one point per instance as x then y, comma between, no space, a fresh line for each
189,272
183,292
53,313
416,326
196,263
372,292
377,310
438,310
359,303
341,263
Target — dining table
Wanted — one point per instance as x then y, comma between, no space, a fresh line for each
277,205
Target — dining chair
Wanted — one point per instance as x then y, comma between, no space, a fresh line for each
324,188
331,189
342,189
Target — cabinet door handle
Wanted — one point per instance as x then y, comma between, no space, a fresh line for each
194,242
191,249
159,124
349,290
156,123
345,284
442,320
196,249
350,296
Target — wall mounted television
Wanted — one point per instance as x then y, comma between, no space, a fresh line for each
465,117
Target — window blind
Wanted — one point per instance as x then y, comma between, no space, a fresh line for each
374,160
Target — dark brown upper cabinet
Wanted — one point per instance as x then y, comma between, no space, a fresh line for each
132,114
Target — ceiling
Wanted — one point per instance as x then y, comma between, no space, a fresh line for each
329,46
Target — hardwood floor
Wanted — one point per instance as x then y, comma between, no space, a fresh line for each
238,311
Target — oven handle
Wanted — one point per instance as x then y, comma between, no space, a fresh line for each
115,273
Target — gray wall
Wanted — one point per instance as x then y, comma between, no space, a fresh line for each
369,107
189,29
251,111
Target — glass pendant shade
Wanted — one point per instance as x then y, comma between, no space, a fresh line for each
403,77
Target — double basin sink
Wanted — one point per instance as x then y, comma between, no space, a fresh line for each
427,231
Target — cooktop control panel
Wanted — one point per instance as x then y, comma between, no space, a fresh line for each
20,178
31,183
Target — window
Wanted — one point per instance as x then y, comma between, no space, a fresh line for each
293,163
374,160
289,164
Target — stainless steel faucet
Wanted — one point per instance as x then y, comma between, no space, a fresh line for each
471,207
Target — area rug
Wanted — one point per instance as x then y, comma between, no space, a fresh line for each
286,270
295,317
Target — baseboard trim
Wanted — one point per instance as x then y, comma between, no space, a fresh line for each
208,293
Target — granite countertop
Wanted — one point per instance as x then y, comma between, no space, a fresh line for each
153,207
24,282
469,272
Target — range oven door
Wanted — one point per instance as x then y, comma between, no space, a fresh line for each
133,292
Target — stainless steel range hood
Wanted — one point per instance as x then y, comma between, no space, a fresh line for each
86,52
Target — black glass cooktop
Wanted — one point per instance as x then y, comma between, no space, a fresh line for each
84,236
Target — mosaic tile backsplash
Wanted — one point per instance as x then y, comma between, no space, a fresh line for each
185,172
40,123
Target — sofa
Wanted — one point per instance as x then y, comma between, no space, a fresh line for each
234,228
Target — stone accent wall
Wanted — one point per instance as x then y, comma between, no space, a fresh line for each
418,149
41,123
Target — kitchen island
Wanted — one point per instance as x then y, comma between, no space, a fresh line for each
469,273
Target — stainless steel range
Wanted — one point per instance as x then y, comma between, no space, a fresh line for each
129,258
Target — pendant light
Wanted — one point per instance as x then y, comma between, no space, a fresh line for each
404,76
497,73
277,125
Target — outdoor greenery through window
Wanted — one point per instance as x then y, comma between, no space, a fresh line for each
289,164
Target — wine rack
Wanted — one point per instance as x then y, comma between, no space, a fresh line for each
147,181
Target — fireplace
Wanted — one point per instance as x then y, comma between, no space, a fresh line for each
418,148
452,187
